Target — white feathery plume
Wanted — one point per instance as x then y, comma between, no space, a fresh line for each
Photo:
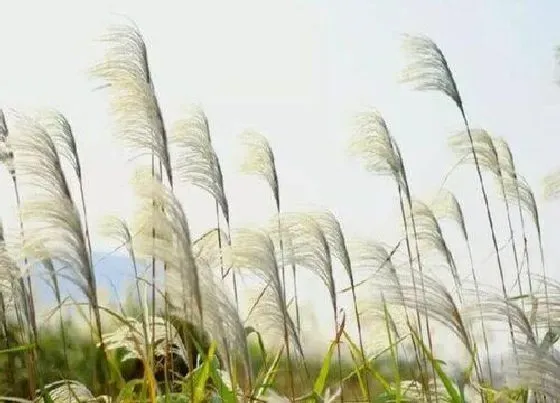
552,185
221,316
196,161
134,103
6,153
259,160
309,246
192,288
37,158
485,150
55,229
519,191
310,250
206,250
15,295
372,258
60,131
368,255
538,371
547,314
374,146
254,250
3,126
171,244
69,391
496,309
446,207
119,230
428,70
412,391
334,236
439,303
130,337
380,154
56,232
12,290
489,159
516,190
430,237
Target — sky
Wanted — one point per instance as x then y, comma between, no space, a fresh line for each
298,71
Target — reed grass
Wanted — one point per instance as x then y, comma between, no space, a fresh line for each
188,339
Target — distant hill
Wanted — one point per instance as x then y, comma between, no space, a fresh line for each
114,273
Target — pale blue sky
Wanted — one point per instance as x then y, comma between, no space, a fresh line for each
297,71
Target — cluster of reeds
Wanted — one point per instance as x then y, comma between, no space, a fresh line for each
187,332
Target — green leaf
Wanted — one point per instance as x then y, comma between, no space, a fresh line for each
268,380
17,349
356,352
199,395
394,359
319,385
375,373
447,382
249,330
226,394
127,392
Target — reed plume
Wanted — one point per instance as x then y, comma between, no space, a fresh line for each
56,229
491,161
428,70
7,159
310,250
430,237
332,230
172,244
254,250
125,72
259,160
447,207
198,164
375,147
